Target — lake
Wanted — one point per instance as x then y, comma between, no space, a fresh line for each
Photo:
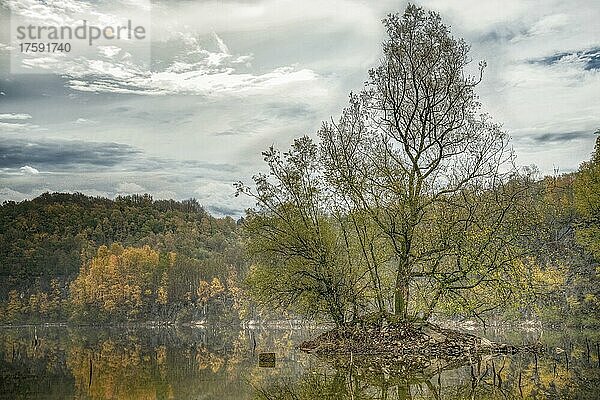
60,362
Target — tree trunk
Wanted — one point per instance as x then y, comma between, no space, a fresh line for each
401,295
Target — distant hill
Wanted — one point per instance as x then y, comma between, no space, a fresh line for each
51,236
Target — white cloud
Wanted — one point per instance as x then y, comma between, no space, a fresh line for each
267,15
212,73
219,198
224,82
129,188
50,13
13,116
8,194
84,121
476,15
181,80
222,46
27,170
11,126
109,51
15,122
164,195
524,88
550,24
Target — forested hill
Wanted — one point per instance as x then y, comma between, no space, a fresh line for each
52,236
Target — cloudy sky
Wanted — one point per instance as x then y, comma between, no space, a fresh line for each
222,80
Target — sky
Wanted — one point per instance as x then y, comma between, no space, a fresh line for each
187,112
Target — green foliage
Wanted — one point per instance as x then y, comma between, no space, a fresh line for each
410,203
563,275
411,196
301,259
587,203
45,242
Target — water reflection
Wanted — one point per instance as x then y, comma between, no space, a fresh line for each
512,377
568,368
186,363
179,363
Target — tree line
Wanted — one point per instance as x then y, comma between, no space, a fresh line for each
71,256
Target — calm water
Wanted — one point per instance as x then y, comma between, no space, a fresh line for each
194,363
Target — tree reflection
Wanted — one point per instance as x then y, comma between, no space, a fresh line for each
189,363
134,364
502,377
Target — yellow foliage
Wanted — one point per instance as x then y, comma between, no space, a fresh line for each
161,295
121,280
216,287
14,306
590,298
203,291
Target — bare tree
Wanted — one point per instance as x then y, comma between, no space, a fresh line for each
413,152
